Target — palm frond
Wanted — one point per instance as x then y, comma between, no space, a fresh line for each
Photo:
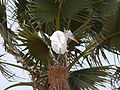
10,64
6,72
3,13
43,10
91,47
115,80
20,84
41,87
89,78
104,7
36,45
70,7
112,26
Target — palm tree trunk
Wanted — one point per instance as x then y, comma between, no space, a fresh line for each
58,76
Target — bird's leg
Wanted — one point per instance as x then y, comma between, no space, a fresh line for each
66,58
57,61
58,56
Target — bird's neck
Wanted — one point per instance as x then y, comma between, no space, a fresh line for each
66,37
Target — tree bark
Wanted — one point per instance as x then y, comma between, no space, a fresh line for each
58,76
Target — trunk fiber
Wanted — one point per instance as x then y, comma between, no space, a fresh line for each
58,76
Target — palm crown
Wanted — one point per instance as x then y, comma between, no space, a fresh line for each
94,23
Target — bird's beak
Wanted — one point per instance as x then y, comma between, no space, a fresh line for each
72,38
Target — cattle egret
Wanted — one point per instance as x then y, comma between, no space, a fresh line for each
59,41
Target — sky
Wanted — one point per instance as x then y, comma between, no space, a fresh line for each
9,58
24,74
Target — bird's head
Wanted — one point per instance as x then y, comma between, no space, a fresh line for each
69,35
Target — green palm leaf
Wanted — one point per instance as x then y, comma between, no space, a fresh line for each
104,7
112,25
41,87
20,84
70,7
36,45
17,66
43,10
3,13
88,78
22,13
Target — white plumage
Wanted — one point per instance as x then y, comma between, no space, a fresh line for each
59,41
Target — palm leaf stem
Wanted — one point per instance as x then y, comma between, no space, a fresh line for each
15,66
58,19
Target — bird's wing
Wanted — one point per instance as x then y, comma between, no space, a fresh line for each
58,36
58,42
62,38
54,37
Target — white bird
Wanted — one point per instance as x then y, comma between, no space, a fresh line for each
59,41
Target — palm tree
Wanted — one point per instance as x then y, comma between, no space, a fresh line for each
94,23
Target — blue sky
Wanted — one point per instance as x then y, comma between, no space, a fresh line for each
9,58
3,81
